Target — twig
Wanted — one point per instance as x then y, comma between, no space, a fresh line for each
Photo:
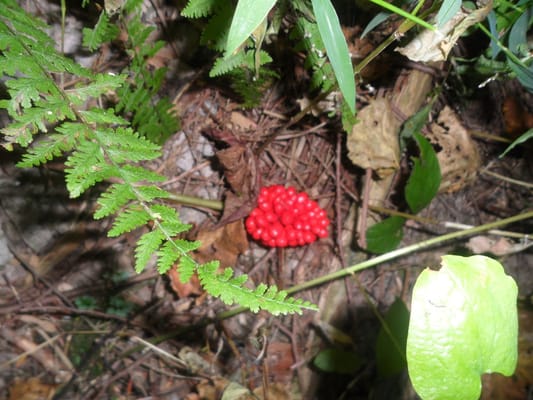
507,179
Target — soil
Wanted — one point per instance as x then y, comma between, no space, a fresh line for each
77,322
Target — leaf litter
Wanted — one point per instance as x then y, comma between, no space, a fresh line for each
225,154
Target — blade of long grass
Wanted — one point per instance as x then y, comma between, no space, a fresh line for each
336,48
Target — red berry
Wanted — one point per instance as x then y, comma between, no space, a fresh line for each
285,217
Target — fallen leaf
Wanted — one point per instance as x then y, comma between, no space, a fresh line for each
224,243
458,156
184,290
239,169
276,391
31,389
373,142
517,119
431,46
239,121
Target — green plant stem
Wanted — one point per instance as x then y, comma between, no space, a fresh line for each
409,16
198,202
507,52
391,256
340,274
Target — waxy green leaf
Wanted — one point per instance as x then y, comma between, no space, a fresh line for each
463,323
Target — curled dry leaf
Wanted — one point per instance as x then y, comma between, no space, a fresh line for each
458,156
432,46
225,244
373,142
184,290
237,163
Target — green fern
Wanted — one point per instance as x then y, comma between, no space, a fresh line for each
152,118
104,31
99,146
306,33
231,290
243,68
199,8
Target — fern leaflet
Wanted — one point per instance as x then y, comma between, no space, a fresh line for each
231,290
199,8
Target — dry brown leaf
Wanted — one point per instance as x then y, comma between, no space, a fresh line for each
31,389
373,142
211,389
458,158
432,46
275,391
183,290
280,360
516,118
237,162
225,244
239,121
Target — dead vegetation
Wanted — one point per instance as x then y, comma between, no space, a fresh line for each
78,323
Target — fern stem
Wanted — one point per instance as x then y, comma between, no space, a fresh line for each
197,202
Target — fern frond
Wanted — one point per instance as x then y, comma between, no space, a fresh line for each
147,245
132,218
102,116
87,166
101,84
124,145
231,290
100,145
103,32
224,65
174,250
134,173
199,8
154,119
113,199
309,40
150,193
54,145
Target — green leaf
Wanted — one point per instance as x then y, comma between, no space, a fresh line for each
132,218
231,290
336,48
116,196
103,31
392,338
396,10
463,323
338,361
378,19
146,246
424,182
414,124
447,10
521,139
385,235
249,14
199,8
518,33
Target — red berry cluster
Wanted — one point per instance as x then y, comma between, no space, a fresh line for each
283,217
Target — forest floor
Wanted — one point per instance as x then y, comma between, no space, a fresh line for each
77,322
